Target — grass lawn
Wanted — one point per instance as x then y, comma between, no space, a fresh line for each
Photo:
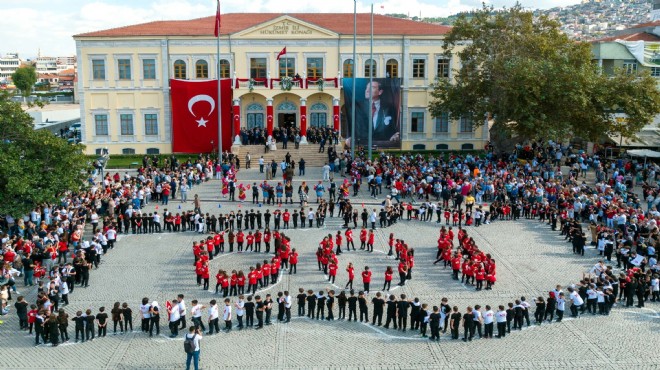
126,161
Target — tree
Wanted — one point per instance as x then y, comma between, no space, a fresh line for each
24,78
534,82
36,167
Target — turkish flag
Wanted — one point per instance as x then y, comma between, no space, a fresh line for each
195,115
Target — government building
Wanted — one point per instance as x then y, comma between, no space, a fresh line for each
124,73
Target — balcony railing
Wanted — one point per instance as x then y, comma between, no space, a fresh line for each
296,83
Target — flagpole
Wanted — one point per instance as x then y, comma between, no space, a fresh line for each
219,100
354,80
371,80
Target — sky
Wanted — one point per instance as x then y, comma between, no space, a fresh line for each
47,25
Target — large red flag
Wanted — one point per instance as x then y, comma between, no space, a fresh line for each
195,115
217,21
283,52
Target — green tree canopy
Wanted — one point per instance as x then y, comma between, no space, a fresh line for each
36,167
534,82
24,78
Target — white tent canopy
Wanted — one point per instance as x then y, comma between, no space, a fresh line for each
644,153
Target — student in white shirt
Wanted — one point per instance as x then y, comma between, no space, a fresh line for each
196,335
561,306
182,311
240,311
500,317
196,313
145,309
576,302
174,317
226,314
213,317
488,316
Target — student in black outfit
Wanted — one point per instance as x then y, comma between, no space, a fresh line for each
63,322
330,302
391,312
102,321
468,320
127,313
378,303
352,306
364,309
249,312
259,308
402,308
422,320
53,330
415,308
311,304
80,326
301,302
434,321
510,315
455,322
320,306
89,325
342,300
155,319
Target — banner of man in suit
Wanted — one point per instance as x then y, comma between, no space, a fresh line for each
385,109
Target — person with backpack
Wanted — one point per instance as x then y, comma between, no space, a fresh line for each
191,346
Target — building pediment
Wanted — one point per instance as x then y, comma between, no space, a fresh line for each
284,27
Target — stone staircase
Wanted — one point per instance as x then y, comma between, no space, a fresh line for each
310,152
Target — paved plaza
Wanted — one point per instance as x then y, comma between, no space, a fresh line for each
530,259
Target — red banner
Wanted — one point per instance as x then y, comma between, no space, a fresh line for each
195,115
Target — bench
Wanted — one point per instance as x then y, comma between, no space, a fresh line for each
133,164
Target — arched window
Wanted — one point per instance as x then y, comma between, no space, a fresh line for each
467,147
348,68
370,68
442,147
255,116
180,69
224,68
318,116
419,147
201,69
392,68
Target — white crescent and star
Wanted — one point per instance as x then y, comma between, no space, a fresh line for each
197,98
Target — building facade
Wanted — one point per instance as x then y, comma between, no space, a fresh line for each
123,75
8,65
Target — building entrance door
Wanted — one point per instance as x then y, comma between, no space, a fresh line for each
286,120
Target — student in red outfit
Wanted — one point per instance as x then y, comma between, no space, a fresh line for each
218,280
411,263
391,244
240,238
252,281
388,278
363,238
224,284
274,269
198,271
265,271
240,282
481,276
370,243
233,283
349,239
206,275
324,263
351,275
366,279
210,247
259,275
267,236
332,272
338,240
257,241
293,261
250,241
403,271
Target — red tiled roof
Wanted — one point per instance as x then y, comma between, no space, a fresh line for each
639,36
643,25
341,23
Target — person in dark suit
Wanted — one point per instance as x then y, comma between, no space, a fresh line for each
385,126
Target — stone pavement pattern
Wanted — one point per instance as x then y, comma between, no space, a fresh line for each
531,260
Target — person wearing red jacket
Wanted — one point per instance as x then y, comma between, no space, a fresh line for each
250,241
284,255
224,284
233,283
210,247
390,242
286,216
274,269
293,261
388,278
62,249
410,263
252,281
338,240
240,238
366,279
403,271
257,241
267,236
206,276
265,270
351,275
332,272
349,239
218,280
240,282
370,243
216,243
259,275
480,276
198,271
363,238
324,263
